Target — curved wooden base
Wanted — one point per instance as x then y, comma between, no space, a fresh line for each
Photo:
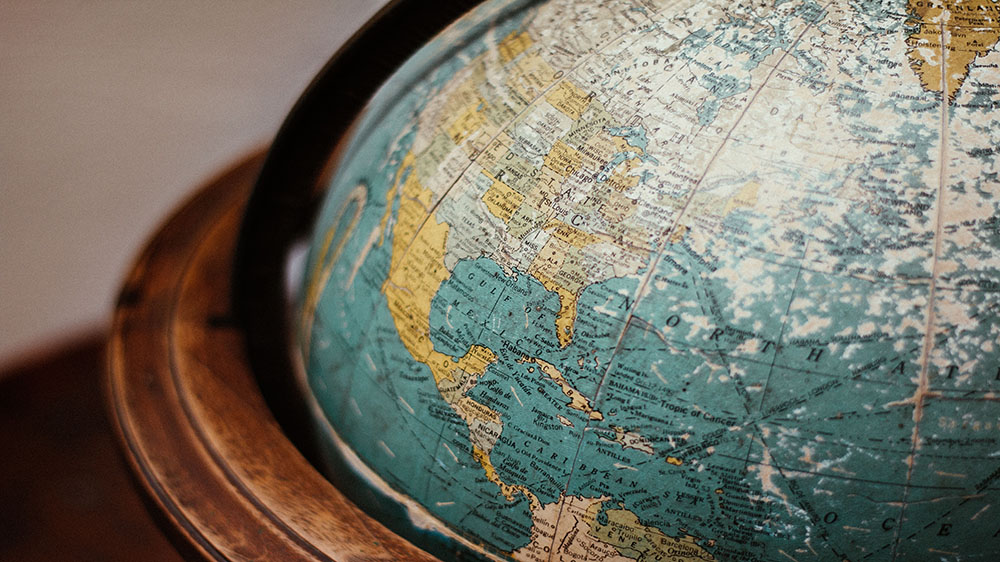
194,424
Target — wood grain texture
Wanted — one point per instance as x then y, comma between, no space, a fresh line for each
192,419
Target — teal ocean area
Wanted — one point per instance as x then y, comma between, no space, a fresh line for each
783,342
357,368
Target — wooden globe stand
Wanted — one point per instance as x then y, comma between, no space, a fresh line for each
200,360
196,428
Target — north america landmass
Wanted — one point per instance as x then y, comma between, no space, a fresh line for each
693,281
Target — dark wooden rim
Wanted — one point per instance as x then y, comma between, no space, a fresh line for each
200,340
193,336
282,207
195,427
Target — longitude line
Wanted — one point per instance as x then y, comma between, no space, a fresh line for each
583,434
669,232
923,382
664,243
774,358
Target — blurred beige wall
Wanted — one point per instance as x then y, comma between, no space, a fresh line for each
111,112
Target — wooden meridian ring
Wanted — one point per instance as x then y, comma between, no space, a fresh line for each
282,207
199,357
197,431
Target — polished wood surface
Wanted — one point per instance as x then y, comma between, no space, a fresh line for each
202,327
193,421
65,493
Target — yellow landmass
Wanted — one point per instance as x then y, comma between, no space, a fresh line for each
566,317
416,272
678,234
674,461
513,45
563,159
577,400
642,542
952,33
745,198
632,440
570,234
569,99
620,180
509,491
528,76
502,200
618,207
559,531
477,359
469,120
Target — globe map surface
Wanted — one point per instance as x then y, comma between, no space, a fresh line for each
674,280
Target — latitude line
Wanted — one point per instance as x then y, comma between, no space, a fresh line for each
583,432
490,314
842,477
664,245
672,229
503,128
823,535
500,130
774,359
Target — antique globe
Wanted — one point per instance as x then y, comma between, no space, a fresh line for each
670,280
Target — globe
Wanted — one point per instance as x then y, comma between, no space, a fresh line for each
671,280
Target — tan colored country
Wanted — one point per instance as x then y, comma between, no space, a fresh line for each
635,540
950,33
